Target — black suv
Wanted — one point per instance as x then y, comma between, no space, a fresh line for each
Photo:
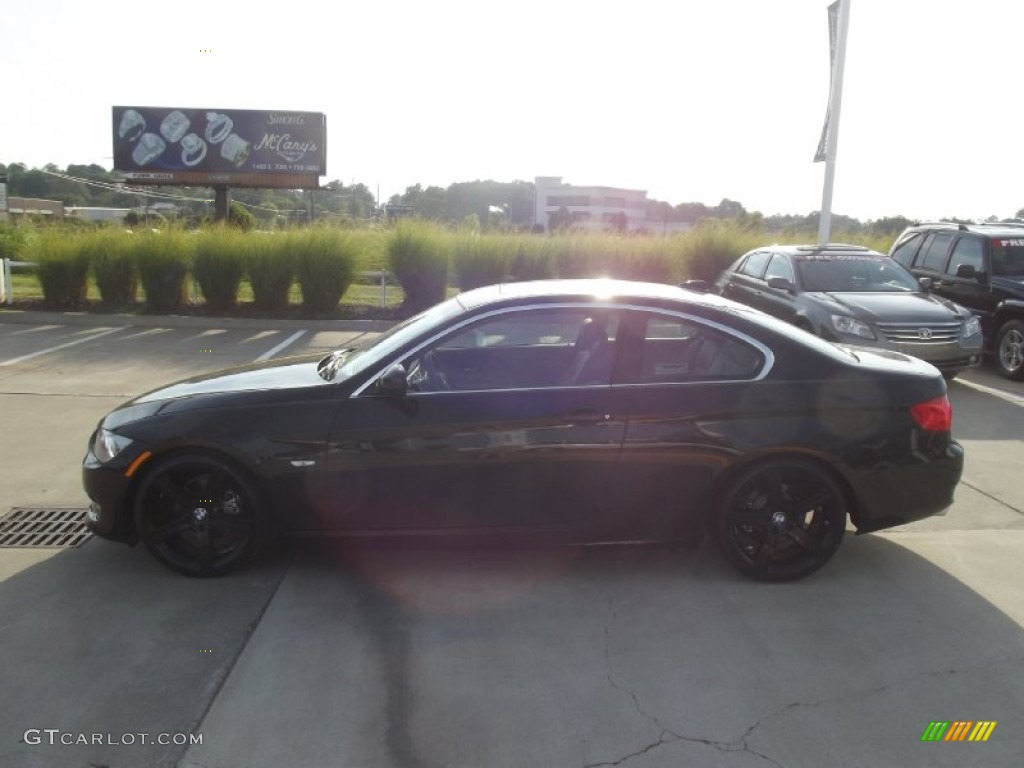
980,266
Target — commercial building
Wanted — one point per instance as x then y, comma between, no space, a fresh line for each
595,209
32,206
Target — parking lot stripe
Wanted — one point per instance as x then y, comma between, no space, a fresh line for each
274,350
14,360
1007,396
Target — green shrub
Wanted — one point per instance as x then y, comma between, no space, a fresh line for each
711,246
325,264
219,264
13,241
63,267
240,217
163,258
481,259
534,258
270,265
113,265
418,257
651,259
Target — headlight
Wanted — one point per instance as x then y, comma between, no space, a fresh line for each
852,327
972,327
106,445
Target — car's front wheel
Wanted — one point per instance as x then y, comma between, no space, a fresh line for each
199,515
1010,350
781,520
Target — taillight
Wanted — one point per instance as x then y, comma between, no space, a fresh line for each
935,415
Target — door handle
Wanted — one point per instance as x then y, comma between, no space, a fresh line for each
587,416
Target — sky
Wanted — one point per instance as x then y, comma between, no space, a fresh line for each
691,101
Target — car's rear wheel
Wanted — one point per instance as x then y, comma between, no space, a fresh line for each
199,515
1010,350
781,520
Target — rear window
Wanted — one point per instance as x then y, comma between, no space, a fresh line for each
1008,257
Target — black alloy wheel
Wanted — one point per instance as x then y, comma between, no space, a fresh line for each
781,520
199,516
1010,350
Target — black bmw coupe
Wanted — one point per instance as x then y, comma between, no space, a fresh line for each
572,411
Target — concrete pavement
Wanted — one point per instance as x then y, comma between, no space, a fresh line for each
416,658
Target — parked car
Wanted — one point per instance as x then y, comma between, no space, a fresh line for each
853,295
578,411
980,266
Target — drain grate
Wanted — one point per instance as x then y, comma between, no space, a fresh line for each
36,528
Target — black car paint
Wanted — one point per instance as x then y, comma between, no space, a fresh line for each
995,299
591,463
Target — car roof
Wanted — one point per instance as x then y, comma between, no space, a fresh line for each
821,251
587,289
994,229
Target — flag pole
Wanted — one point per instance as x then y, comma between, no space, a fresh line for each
832,121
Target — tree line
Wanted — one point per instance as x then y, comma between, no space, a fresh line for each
494,204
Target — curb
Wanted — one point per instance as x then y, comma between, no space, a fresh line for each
32,317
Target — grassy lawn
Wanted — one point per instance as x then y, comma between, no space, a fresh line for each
26,286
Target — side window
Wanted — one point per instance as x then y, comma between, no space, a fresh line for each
933,252
904,252
526,349
1008,257
779,266
968,251
665,349
754,264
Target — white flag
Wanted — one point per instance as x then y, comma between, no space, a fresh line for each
833,31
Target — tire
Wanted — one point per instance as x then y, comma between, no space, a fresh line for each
199,515
781,520
1010,350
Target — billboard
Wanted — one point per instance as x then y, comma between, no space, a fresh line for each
235,147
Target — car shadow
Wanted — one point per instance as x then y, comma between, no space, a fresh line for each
446,655
101,640
449,654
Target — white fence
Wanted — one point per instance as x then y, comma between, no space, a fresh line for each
7,288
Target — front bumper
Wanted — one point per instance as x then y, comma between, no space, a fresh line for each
107,489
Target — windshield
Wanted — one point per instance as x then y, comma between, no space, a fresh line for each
845,274
358,360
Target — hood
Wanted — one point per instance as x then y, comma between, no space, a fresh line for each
250,384
288,373
893,307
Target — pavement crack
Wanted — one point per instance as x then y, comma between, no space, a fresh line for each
864,694
990,496
666,735
665,738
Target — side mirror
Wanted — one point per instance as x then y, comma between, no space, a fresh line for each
394,381
926,283
700,286
781,284
966,271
